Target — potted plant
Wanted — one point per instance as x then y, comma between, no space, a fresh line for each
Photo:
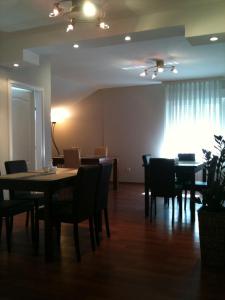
211,215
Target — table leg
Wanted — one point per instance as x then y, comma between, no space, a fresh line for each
146,193
48,227
192,197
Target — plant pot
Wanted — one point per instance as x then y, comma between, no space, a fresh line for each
212,237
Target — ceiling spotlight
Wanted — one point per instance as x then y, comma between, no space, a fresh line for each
16,65
57,10
127,38
174,70
89,9
76,46
70,26
154,75
103,25
143,74
213,39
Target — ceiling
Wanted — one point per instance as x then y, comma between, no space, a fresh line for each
170,30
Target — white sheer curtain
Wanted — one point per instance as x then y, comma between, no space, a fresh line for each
195,111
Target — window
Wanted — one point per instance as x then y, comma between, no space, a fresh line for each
195,111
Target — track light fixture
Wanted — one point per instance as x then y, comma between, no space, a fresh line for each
159,67
70,26
57,10
103,25
79,10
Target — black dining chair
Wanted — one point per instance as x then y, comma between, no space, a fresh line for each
37,198
78,209
162,182
10,208
201,186
146,163
101,205
183,176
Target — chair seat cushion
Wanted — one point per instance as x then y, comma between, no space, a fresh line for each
30,196
200,185
62,210
11,207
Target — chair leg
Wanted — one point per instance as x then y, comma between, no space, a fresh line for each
0,229
166,201
76,241
185,200
27,219
96,226
8,233
33,233
58,232
151,200
36,226
179,197
146,200
155,206
11,223
173,206
107,222
92,236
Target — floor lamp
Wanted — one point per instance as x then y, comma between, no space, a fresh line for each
53,137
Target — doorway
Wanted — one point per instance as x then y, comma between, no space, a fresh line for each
26,125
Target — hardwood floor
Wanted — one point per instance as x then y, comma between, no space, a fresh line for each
141,260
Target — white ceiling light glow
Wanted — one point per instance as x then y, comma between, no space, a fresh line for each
16,65
158,67
79,10
127,38
89,9
213,39
76,46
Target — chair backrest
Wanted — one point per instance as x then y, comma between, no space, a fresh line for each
184,175
186,156
103,186
101,151
72,158
146,159
16,166
162,177
85,192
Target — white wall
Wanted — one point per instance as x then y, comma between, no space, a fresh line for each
35,76
130,121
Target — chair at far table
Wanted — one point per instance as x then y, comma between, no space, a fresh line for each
201,186
183,177
37,198
101,151
146,164
162,182
71,158
10,208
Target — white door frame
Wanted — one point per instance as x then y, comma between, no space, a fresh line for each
34,89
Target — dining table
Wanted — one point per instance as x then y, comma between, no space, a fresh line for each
49,182
92,160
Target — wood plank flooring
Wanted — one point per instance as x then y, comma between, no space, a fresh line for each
141,260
